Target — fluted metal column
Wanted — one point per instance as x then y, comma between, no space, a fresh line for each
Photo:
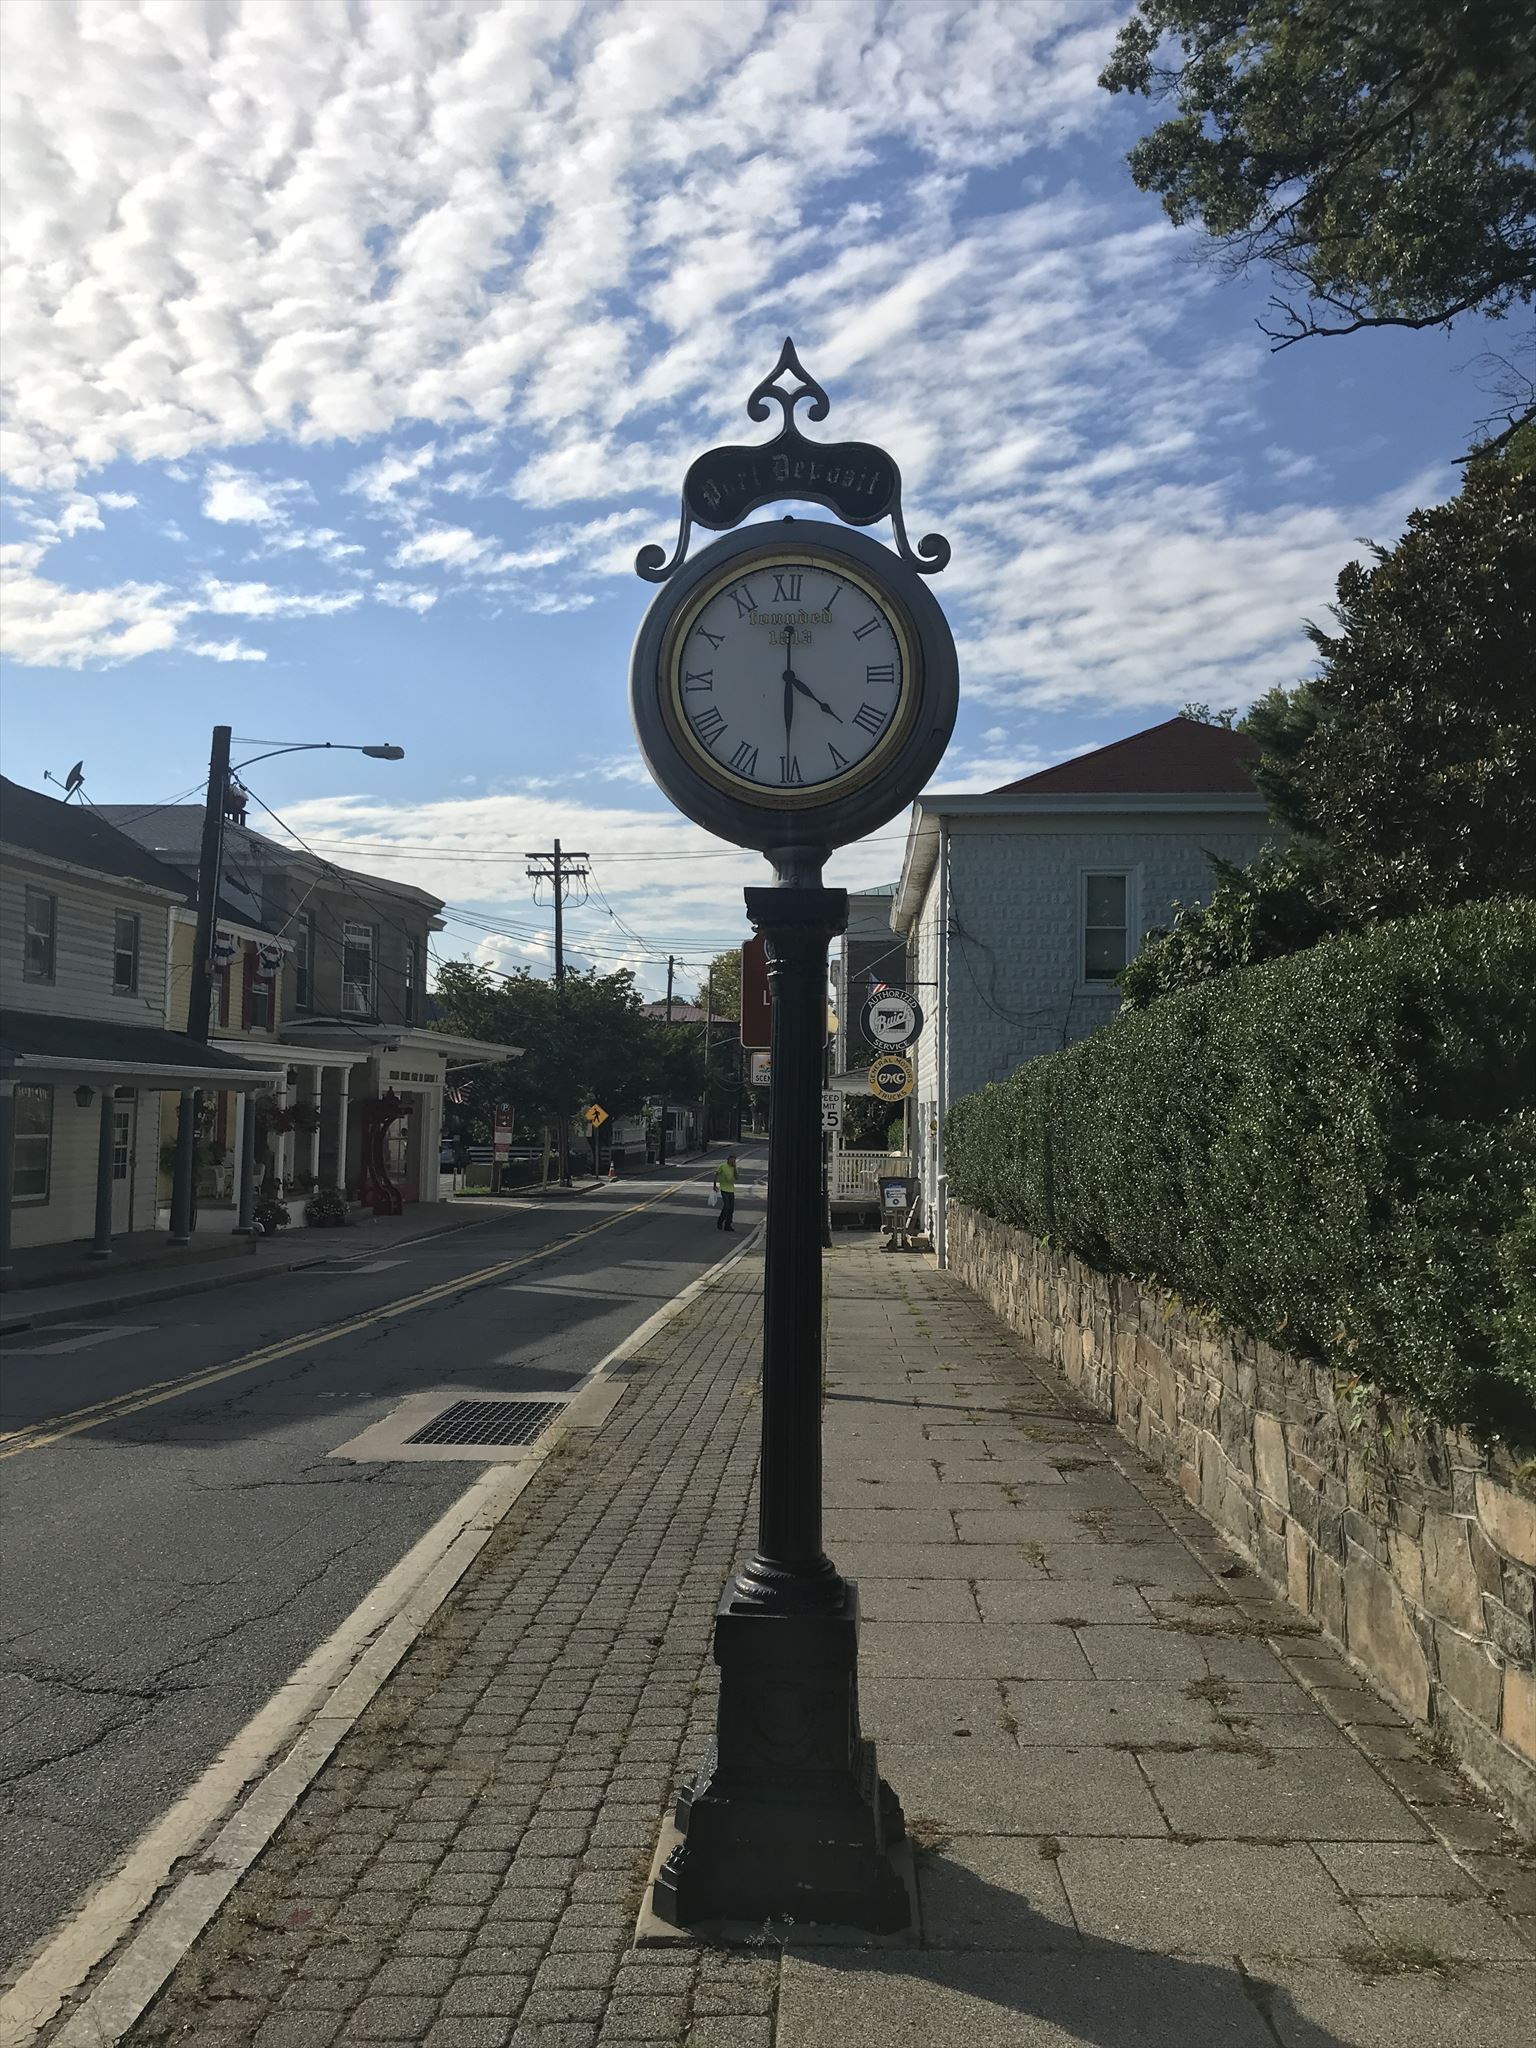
789,1565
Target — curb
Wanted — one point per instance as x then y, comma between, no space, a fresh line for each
226,1819
252,1267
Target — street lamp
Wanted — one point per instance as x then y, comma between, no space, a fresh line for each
210,862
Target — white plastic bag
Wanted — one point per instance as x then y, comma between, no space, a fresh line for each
714,1198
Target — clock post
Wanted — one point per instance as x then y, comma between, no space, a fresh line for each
788,1816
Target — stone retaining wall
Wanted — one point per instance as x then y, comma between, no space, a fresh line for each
1410,1546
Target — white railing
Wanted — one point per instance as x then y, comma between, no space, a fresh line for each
856,1175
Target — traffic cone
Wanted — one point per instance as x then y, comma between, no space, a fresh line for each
611,1174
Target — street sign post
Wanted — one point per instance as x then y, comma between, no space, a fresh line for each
891,1077
501,1141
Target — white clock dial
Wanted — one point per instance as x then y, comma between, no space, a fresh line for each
791,676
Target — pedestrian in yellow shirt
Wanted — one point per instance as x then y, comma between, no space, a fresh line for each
725,1183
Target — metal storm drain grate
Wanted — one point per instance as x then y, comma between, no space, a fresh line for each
489,1422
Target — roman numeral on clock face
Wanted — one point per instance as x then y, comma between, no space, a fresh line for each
708,723
881,672
837,760
871,718
745,602
744,760
869,626
716,640
789,768
786,588
704,680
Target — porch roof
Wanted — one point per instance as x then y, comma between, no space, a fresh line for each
40,1045
375,1038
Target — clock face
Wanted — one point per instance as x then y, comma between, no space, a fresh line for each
790,678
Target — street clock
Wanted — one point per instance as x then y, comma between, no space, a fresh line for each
795,684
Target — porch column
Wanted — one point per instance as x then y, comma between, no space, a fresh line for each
245,1132
316,1082
101,1243
344,1078
282,1164
183,1174
7,1175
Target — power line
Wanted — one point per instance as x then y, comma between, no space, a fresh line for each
444,853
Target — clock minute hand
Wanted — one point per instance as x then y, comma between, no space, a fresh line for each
820,702
789,707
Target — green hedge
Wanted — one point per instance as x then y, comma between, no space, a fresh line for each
1334,1150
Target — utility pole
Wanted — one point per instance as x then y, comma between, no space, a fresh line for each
661,1143
709,1026
559,869
200,981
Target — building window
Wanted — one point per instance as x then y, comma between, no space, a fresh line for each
42,918
357,971
1106,925
125,953
258,992
34,1143
408,985
221,999
304,961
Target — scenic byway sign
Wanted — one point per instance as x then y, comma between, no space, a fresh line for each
891,1077
890,1020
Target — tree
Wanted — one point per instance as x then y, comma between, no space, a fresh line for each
1379,156
588,1042
1405,767
722,984
1412,755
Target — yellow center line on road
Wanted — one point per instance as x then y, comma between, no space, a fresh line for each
40,1435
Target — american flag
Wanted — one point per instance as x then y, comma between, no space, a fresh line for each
456,1095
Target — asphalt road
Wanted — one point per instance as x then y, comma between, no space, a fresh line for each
166,1568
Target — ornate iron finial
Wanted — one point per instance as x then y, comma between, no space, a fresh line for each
854,479
807,387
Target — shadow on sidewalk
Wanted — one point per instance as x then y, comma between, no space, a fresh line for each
1095,1991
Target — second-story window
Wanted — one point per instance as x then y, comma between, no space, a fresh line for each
42,914
409,983
358,949
1106,925
125,953
304,961
258,991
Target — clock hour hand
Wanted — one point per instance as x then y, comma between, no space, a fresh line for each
789,706
820,702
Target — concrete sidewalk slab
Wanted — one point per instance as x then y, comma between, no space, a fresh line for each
1149,1810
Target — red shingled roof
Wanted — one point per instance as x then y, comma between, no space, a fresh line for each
1179,756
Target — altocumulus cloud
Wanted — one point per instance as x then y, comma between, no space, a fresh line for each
512,256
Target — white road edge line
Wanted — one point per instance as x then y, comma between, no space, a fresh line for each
299,1727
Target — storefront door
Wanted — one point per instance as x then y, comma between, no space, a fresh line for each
125,1121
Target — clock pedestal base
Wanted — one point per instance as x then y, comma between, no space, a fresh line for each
788,1818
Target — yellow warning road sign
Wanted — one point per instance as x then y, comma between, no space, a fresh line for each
595,1115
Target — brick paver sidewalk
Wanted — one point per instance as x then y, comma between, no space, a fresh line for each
1138,1825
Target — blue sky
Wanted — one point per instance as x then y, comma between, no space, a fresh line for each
352,351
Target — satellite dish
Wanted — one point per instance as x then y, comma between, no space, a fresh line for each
74,778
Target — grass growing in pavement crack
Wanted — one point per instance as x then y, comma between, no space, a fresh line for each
1219,1691
1393,1958
928,1837
1050,1849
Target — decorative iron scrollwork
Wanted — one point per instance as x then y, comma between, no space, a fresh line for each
854,479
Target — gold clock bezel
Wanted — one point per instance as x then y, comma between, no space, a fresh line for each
800,796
